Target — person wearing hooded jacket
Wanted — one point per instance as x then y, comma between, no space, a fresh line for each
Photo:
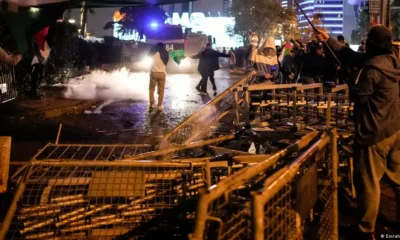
264,61
377,125
158,73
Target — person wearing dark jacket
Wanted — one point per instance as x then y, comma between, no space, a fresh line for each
377,134
208,64
312,64
158,73
289,67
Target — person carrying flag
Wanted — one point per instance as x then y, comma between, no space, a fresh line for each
158,74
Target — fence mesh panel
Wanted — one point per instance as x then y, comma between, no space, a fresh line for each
90,201
282,219
91,152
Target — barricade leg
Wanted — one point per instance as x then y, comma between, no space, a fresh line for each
335,166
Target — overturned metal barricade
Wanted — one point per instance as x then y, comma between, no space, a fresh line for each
90,152
223,211
308,183
97,199
207,119
8,89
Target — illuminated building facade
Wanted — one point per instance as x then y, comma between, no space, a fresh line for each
332,12
211,17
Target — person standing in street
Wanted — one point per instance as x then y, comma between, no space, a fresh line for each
158,73
208,64
377,124
232,60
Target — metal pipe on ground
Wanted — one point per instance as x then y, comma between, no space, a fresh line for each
181,147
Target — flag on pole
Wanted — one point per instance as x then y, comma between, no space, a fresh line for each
177,56
286,49
26,26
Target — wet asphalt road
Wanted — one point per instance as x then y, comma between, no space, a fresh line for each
126,120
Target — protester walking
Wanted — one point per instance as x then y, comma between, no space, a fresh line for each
208,64
158,73
377,125
232,60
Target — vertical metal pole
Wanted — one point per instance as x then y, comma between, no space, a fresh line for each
235,106
353,189
257,209
294,92
328,110
335,166
247,105
84,11
208,173
11,211
389,14
59,132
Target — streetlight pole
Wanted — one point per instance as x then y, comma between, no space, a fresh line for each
84,11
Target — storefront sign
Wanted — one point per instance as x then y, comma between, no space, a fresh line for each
374,9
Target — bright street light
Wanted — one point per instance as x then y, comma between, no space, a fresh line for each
34,10
72,21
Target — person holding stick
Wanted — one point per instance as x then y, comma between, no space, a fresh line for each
376,113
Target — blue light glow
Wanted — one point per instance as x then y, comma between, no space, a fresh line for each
154,25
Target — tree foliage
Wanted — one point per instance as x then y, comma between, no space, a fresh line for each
264,17
363,25
136,19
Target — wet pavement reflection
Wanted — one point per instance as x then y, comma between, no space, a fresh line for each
131,121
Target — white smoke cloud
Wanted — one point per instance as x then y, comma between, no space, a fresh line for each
117,85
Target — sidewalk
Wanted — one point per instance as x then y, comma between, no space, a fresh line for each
53,104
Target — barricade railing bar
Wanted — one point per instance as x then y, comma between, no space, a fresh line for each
246,178
199,123
277,210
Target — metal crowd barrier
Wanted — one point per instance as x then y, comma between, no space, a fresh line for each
99,199
208,118
280,209
8,89
304,101
224,209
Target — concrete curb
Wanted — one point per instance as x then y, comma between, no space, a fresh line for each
53,113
